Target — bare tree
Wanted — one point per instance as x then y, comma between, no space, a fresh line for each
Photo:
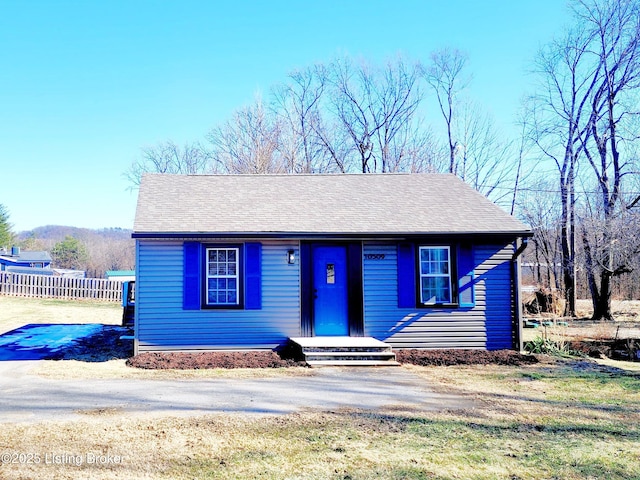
415,149
539,208
374,106
485,159
248,143
615,49
397,96
591,76
304,141
167,157
524,147
445,74
557,124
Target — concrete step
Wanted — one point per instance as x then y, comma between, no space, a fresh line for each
345,356
348,359
345,351
352,363
387,354
338,342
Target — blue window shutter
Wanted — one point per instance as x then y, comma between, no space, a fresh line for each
253,276
406,275
466,294
192,282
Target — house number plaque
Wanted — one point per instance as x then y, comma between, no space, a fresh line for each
374,256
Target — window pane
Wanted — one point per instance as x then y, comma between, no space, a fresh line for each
442,289
428,290
212,297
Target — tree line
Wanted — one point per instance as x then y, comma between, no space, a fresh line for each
571,172
349,116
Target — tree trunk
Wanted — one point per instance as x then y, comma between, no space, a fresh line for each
568,260
591,278
602,306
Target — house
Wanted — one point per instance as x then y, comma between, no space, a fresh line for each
250,261
18,261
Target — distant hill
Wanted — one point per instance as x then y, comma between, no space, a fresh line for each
108,248
58,233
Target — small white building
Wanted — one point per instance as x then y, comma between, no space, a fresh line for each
121,275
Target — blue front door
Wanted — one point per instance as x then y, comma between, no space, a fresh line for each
330,307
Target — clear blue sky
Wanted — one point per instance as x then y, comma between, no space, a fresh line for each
84,85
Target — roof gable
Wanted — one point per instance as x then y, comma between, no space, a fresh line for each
316,204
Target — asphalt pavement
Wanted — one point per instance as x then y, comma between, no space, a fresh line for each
25,397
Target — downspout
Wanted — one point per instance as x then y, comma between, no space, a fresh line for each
516,274
136,311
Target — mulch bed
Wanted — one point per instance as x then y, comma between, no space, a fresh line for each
269,359
463,357
202,360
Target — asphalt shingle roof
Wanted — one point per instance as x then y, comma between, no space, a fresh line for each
316,204
26,257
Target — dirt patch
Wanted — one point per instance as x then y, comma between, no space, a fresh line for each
202,360
102,346
621,349
464,357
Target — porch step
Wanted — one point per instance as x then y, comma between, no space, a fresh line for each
345,351
351,363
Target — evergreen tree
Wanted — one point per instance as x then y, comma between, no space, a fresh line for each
70,253
6,235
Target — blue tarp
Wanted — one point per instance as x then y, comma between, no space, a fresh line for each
39,341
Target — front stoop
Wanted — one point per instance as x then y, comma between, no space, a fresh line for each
345,351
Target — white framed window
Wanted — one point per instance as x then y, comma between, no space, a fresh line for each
435,275
222,265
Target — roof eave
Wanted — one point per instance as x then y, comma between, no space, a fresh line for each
330,235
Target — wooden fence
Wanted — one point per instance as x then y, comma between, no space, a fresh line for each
47,286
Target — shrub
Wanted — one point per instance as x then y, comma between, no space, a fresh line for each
540,345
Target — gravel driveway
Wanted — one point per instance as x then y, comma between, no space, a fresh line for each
29,398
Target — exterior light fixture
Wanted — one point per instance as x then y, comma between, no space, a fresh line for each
291,257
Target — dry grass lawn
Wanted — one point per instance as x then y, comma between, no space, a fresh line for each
625,325
17,312
560,419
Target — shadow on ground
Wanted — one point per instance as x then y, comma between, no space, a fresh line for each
83,342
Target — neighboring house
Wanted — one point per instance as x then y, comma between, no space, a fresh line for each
249,261
25,262
121,275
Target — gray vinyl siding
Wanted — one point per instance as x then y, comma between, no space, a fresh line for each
487,325
162,324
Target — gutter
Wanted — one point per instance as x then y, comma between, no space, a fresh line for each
524,241
147,235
